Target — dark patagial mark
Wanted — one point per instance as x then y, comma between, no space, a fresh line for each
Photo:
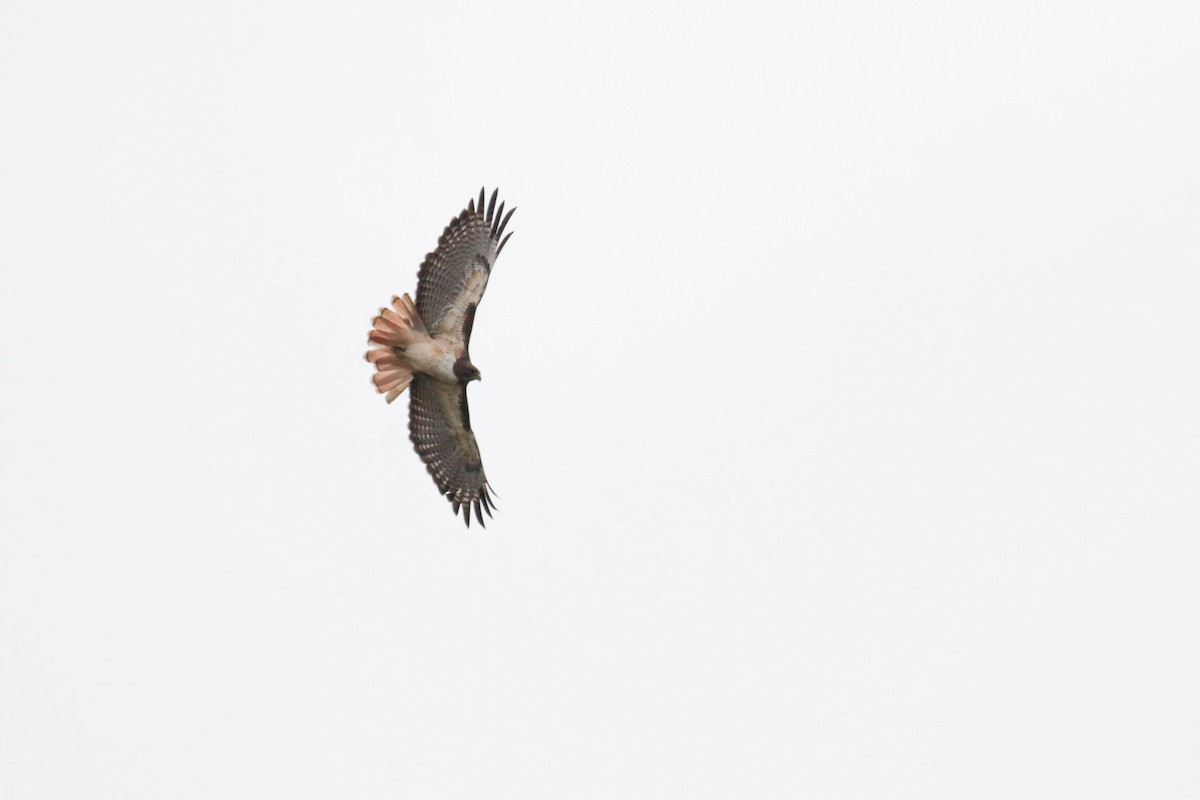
463,412
468,323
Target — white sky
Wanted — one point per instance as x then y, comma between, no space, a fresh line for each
840,391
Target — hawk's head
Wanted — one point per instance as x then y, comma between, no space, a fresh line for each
465,371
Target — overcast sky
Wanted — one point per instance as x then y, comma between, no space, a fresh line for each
839,389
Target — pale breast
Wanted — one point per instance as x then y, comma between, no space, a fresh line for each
434,358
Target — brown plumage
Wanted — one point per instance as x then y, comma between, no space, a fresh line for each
423,347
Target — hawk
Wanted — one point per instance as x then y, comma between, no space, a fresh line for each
423,347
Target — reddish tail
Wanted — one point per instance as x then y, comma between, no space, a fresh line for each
393,330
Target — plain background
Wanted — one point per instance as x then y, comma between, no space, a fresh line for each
839,387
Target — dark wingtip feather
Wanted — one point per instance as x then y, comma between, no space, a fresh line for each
496,219
504,222
482,190
492,204
478,515
502,243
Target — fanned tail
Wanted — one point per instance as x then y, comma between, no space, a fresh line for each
391,332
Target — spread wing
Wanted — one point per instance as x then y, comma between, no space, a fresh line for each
440,428
453,277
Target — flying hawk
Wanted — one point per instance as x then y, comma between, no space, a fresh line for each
424,346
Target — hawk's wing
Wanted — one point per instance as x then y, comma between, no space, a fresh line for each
440,428
453,277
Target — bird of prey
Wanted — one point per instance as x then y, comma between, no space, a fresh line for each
423,347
